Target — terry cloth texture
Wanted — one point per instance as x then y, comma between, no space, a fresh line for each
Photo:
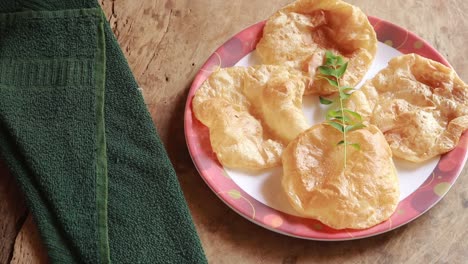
76,134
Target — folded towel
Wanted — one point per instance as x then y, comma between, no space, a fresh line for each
76,135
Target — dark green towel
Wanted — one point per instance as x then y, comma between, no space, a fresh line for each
76,134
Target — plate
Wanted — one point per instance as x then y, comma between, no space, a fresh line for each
260,199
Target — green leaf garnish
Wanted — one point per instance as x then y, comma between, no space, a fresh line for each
344,95
332,82
347,89
342,119
341,70
330,58
336,125
332,114
339,60
350,128
325,101
357,146
355,115
326,70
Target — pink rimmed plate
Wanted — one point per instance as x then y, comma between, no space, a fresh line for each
259,197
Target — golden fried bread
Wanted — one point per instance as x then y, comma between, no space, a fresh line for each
299,34
419,104
252,113
276,93
363,194
318,185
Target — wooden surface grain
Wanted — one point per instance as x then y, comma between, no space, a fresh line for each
166,42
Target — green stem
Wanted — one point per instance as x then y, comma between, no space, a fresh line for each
344,132
345,144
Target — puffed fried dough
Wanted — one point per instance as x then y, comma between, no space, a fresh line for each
419,104
251,113
299,34
276,92
318,186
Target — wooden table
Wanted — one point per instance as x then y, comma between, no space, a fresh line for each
166,42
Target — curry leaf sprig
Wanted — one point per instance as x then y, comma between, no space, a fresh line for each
340,118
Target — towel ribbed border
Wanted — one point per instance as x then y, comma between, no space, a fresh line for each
47,72
11,18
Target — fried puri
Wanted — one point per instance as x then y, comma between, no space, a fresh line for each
318,185
420,105
299,34
251,113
